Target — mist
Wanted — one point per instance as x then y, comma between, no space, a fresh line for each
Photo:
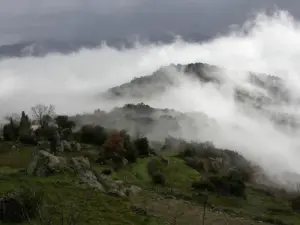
267,44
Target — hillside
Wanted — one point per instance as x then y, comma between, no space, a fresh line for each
138,164
59,174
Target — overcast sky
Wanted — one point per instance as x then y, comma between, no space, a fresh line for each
22,20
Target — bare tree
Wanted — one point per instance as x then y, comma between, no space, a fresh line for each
42,113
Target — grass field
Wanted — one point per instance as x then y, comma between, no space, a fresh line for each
174,203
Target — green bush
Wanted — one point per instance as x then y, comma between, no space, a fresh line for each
18,206
28,139
95,135
158,178
203,150
230,184
155,171
142,146
154,166
131,153
63,122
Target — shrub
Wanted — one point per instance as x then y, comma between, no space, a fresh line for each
114,146
106,172
204,185
142,146
237,161
154,166
28,139
230,184
63,122
203,150
295,204
95,135
158,178
18,206
45,132
131,154
10,131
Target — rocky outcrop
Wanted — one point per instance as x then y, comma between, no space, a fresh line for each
133,190
66,146
45,164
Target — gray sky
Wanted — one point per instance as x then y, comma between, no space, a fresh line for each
94,19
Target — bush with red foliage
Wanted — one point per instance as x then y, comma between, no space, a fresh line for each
114,146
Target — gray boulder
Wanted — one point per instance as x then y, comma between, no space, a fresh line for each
76,146
79,163
66,146
116,192
89,178
44,164
133,190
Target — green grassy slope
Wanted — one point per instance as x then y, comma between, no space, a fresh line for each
174,203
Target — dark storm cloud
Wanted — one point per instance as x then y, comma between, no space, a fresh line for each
95,19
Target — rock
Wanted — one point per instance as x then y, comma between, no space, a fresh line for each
76,147
89,178
133,190
125,162
66,146
116,192
164,160
119,183
44,164
79,163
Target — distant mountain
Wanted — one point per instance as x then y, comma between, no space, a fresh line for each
43,47
142,119
270,91
160,80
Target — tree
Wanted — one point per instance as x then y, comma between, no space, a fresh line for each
142,145
131,154
42,113
96,135
24,127
63,122
10,130
114,145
